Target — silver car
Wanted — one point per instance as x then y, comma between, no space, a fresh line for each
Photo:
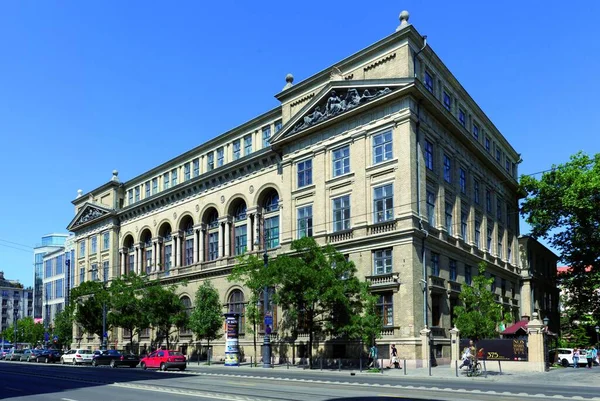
77,356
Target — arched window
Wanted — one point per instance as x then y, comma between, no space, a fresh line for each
240,212
235,304
271,219
271,203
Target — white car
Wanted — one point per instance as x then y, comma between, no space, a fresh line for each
565,357
77,356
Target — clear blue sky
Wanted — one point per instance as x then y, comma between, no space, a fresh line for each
88,87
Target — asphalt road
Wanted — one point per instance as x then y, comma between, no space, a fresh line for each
29,381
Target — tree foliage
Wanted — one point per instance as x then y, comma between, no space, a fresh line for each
317,289
206,318
479,314
89,298
63,326
164,309
27,332
126,304
563,207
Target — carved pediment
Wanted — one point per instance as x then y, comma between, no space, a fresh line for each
339,102
88,214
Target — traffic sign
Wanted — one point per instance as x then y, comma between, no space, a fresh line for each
268,320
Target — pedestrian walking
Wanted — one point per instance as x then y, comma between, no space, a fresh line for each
588,356
594,356
394,361
372,356
575,358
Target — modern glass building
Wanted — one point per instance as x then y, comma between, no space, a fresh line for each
50,243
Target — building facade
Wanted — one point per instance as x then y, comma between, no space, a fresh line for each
57,280
17,302
50,243
384,155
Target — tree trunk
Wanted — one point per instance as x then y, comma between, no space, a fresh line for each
254,334
311,322
167,337
131,340
208,351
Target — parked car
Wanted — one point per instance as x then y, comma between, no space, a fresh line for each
30,355
49,355
114,358
14,355
77,356
163,360
564,356
3,353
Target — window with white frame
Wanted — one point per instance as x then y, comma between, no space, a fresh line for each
94,245
266,137
383,203
241,237
82,248
490,232
382,261
428,82
509,251
220,157
137,193
447,101
237,149
166,181
431,208
130,197
304,172
147,189
154,185
247,145
105,241
341,161
173,177
500,241
196,167
464,232
305,221
187,173
385,308
462,118
213,246
341,213
382,147
278,126
435,264
272,232
210,161
94,272
448,213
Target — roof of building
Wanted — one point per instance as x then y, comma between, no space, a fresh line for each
520,325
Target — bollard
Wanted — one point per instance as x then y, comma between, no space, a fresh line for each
251,362
321,362
272,361
360,363
339,364
288,365
381,366
404,366
456,367
429,366
484,369
500,367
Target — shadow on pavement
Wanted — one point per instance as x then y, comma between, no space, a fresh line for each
374,398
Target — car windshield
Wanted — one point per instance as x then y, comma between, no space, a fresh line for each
112,352
84,351
175,353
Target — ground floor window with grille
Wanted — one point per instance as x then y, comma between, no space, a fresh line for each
385,308
272,232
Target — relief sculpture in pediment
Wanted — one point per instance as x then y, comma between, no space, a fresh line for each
89,215
336,104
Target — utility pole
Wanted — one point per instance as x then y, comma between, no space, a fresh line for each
267,339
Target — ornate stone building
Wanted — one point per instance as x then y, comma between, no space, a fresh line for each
384,155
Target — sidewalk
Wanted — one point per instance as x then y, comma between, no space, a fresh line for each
562,376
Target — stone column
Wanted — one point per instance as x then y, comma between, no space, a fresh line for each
136,267
122,256
227,234
220,247
176,252
201,245
196,236
454,346
535,344
425,347
249,232
155,252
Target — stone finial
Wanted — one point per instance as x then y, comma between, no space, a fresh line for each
289,79
115,176
79,193
404,16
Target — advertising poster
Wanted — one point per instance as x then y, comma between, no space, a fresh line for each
232,352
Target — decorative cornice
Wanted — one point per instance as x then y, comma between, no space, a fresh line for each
302,100
379,62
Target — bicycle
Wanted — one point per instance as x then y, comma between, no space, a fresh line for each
474,369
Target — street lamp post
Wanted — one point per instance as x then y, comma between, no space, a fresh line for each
16,318
546,356
597,328
267,339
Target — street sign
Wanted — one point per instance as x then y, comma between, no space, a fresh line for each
268,320
46,336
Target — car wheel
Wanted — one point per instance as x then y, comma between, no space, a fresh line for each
113,364
74,362
163,367
564,363
62,361
46,360
143,366
94,363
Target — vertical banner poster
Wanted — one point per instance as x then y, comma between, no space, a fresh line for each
232,352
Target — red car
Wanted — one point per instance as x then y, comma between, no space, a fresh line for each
163,360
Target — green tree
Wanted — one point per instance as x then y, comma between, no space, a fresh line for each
89,299
479,313
562,207
63,325
126,299
206,318
27,332
164,310
315,285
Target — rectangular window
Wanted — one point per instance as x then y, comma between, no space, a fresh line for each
463,180
147,188
382,147
137,193
500,240
341,213
168,253
507,164
105,241
213,246
490,231
266,137
196,167
82,249
130,197
468,275
247,145
47,268
189,252
429,155
187,173
509,251
503,286
452,268
58,290
305,224
210,161
447,169
498,153
341,161
304,170
431,208
487,144
131,264
220,157
428,82
382,261
94,244
447,101
173,177
499,208
435,264
105,271
488,201
81,274
476,192
463,226
278,126
383,203
478,233
449,207
59,264
385,309
237,149
166,181
493,287
240,239
476,132
272,232
154,186
94,272
461,117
